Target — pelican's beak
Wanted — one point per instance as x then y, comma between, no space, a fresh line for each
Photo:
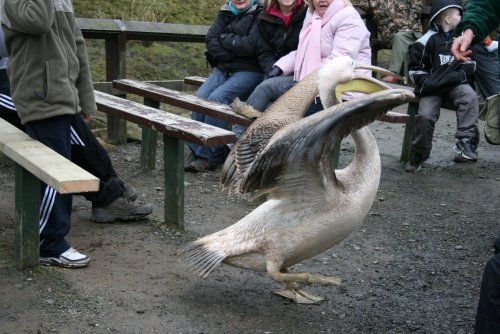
365,84
380,70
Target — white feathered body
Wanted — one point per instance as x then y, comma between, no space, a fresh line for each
310,206
290,229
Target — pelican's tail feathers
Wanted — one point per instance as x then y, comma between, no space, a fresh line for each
203,255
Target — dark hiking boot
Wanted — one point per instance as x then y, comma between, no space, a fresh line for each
120,209
415,163
199,165
130,193
465,150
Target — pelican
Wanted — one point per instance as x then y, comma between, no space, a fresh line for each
310,206
289,108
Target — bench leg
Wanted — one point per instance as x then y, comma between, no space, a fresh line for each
28,197
173,162
406,150
336,156
148,142
148,148
117,130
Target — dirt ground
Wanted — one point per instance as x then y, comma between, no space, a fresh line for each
415,265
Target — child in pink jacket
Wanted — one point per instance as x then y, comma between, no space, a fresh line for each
331,28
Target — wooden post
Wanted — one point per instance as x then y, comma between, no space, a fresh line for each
336,155
116,47
173,166
149,139
28,197
406,150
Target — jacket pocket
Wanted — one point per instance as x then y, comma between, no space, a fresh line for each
39,81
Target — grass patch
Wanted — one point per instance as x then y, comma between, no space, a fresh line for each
151,60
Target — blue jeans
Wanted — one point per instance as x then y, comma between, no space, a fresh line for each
223,89
269,91
316,106
487,70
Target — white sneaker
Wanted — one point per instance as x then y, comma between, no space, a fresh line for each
69,259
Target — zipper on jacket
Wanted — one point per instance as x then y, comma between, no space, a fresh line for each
64,42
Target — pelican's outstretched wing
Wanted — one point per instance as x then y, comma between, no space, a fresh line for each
289,108
296,150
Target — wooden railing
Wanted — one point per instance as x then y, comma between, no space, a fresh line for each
116,33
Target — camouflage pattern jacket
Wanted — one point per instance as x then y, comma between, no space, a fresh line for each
391,16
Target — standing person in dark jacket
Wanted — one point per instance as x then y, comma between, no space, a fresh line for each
279,29
231,51
438,77
50,81
114,200
485,54
481,18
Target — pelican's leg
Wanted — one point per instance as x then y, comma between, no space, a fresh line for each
304,278
296,281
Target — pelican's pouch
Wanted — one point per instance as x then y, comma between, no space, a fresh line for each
491,116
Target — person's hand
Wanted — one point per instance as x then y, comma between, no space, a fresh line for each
274,72
461,44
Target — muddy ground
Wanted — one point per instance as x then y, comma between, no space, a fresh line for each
414,266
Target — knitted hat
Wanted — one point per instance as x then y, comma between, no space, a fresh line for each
438,6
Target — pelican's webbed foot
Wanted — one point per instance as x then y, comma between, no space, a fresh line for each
295,282
298,295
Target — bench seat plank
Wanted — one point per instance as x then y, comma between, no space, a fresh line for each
36,163
175,130
181,99
44,163
164,122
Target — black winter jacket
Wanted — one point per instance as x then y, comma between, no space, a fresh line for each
432,67
231,41
275,40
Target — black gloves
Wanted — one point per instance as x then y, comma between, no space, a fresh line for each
275,72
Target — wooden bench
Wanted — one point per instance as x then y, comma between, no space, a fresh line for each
36,163
175,129
154,95
391,117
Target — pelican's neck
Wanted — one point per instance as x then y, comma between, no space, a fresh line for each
366,162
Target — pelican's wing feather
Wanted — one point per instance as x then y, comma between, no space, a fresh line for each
246,149
299,147
287,109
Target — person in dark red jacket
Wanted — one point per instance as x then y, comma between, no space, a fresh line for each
279,25
279,29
